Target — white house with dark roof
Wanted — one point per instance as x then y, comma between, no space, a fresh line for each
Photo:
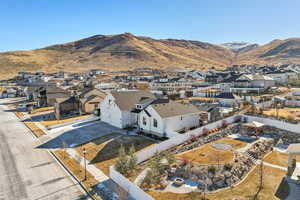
121,108
163,119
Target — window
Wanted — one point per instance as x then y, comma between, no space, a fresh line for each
144,121
155,123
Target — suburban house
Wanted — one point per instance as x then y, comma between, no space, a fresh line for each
209,112
254,81
171,84
121,108
66,107
163,119
90,100
284,76
54,92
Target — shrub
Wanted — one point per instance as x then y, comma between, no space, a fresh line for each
224,124
212,169
170,157
132,162
184,161
122,162
228,166
193,138
205,131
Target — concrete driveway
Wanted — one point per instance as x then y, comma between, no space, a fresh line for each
27,173
78,134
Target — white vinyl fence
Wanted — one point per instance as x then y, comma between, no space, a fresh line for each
131,188
275,123
292,103
265,104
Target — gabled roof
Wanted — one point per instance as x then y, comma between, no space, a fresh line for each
126,100
66,100
172,109
252,77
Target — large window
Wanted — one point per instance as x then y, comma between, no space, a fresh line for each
155,123
144,121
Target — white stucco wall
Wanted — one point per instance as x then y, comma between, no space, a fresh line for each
168,124
128,118
180,122
149,122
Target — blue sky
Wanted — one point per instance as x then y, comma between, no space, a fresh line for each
30,24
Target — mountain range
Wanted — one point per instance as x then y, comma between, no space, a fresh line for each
127,51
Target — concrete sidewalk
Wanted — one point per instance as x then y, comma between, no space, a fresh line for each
96,172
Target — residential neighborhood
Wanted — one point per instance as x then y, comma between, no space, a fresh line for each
150,100
225,116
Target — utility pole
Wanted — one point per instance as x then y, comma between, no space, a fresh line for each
84,154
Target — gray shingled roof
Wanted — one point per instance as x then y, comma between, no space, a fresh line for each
126,100
171,109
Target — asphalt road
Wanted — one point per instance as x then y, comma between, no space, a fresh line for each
27,173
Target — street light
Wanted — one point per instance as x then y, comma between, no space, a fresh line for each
84,153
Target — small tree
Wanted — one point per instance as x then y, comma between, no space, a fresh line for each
205,131
132,162
212,169
193,138
170,157
224,124
122,162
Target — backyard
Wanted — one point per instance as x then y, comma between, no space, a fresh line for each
288,113
248,189
208,154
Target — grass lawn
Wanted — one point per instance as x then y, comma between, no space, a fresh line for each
288,113
41,110
278,158
247,189
77,170
207,154
55,122
37,131
103,152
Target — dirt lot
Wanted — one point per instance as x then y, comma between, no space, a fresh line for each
41,110
208,154
37,131
55,122
248,189
103,151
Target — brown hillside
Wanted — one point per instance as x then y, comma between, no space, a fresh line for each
126,51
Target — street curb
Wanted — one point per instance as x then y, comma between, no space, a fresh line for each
60,163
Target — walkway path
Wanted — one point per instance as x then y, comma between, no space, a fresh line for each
96,172
274,166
